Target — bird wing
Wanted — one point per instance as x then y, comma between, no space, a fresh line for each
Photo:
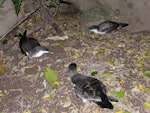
93,90
33,42
89,88
110,29
29,44
108,26
104,105
112,99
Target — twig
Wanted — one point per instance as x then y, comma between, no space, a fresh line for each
57,7
21,21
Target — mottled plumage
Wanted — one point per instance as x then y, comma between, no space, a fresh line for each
90,89
31,47
107,27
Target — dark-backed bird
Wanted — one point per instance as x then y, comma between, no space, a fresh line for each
31,47
106,27
90,89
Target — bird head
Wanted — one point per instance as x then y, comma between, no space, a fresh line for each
24,35
72,69
73,66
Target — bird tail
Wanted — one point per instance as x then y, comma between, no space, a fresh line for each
112,99
48,51
65,2
22,36
104,104
123,25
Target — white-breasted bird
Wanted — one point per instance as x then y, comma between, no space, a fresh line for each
31,47
107,27
90,89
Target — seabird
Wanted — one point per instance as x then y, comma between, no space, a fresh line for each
90,89
106,27
31,47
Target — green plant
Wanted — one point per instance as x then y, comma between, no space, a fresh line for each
17,5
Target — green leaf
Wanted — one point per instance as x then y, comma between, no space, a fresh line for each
147,73
94,73
140,66
106,74
30,96
111,62
17,5
56,84
119,94
65,23
50,75
5,41
60,44
120,111
101,51
49,96
75,25
112,44
126,111
71,53
1,95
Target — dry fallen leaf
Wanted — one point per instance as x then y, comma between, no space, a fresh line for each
43,110
144,89
27,112
147,104
1,69
1,95
122,82
57,38
49,96
67,103
78,69
120,111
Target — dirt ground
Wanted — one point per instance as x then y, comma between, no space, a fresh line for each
121,60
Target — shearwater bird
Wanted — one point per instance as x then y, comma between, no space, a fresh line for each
31,47
90,89
107,27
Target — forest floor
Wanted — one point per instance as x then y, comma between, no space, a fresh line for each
122,60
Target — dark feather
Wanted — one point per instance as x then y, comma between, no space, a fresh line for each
108,26
26,44
90,88
104,105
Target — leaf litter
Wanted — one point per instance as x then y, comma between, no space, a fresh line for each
114,56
